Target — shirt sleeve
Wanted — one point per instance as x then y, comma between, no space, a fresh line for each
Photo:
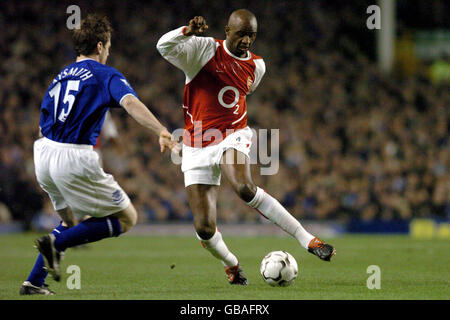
119,88
260,70
188,53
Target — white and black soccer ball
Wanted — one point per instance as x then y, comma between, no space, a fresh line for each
279,269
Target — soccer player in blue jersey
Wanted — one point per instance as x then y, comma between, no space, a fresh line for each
67,168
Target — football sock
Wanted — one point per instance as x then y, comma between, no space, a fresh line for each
90,230
219,249
271,209
38,273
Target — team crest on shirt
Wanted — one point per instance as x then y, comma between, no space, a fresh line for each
249,83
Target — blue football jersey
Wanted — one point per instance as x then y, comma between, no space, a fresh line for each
75,104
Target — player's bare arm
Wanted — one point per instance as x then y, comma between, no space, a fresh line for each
196,26
146,118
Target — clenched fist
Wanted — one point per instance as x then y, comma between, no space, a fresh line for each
196,26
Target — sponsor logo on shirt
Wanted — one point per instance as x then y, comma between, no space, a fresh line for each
117,196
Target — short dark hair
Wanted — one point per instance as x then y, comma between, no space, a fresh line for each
94,29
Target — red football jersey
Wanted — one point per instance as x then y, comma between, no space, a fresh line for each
217,83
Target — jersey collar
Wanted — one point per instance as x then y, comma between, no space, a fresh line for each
236,57
84,59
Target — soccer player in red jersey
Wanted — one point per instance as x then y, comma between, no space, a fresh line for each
219,76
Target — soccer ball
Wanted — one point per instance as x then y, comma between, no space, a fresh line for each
279,269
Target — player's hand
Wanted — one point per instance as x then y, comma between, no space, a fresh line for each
166,141
196,26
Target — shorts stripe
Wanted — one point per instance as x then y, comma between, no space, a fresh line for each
109,227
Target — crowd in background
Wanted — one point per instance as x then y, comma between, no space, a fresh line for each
354,142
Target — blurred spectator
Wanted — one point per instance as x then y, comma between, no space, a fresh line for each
5,214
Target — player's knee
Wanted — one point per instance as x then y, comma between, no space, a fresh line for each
205,232
127,224
246,191
132,219
128,219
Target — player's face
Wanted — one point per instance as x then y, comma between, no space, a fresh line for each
104,52
241,37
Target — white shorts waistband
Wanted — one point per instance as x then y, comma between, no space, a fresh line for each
67,145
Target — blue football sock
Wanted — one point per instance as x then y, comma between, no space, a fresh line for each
38,273
90,230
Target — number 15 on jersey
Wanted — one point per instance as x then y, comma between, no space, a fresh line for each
69,99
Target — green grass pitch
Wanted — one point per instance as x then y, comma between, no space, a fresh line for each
139,267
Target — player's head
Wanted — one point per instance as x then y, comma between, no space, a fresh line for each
93,38
241,32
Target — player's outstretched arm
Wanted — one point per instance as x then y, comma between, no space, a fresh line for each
143,116
184,50
173,42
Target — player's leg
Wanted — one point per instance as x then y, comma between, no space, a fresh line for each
127,218
203,203
68,218
97,228
237,171
87,190
239,176
35,283
90,230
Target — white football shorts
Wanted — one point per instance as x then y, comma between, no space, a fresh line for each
72,176
202,165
